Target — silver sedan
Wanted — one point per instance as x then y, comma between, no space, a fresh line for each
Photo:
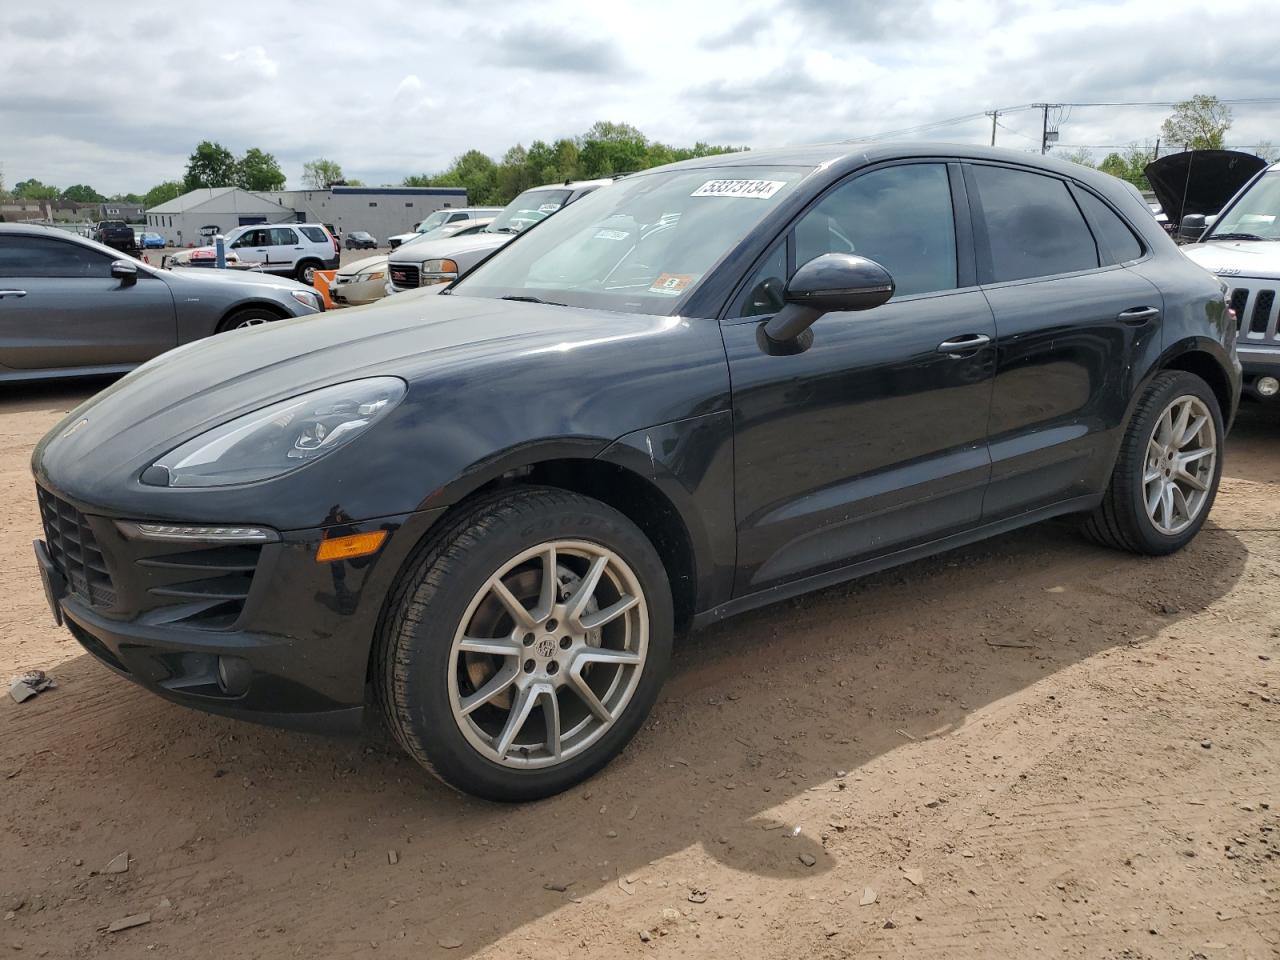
73,307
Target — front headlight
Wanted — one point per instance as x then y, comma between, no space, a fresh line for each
280,438
439,271
306,298
372,275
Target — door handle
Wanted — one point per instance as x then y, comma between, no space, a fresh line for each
1138,315
13,293
964,345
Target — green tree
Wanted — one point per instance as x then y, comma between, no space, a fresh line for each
212,165
126,197
1130,165
258,170
162,193
320,174
612,148
1080,155
1200,123
34,190
604,150
82,193
1267,150
473,170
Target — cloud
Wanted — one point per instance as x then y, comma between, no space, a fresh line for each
743,32
252,60
387,94
556,50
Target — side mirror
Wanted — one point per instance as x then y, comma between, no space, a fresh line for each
125,272
831,282
1192,227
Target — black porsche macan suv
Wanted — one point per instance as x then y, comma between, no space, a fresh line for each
701,389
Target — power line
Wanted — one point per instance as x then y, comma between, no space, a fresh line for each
996,113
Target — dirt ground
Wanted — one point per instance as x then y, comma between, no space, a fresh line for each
1030,747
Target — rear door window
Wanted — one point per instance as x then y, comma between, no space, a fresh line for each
282,237
1116,242
1033,226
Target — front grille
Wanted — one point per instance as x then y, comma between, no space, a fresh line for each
75,551
1257,311
405,274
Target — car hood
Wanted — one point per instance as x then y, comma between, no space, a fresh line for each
360,266
1245,258
214,275
449,247
478,371
1199,181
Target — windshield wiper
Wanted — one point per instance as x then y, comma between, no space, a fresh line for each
504,230
1235,236
550,303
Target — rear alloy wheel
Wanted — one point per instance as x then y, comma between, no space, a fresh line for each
1167,471
306,272
1182,459
526,645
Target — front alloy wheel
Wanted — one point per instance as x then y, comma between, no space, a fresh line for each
549,654
525,644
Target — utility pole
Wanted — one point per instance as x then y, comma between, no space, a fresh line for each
1157,153
1045,132
993,114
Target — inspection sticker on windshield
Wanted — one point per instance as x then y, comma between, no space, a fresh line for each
548,208
756,189
672,284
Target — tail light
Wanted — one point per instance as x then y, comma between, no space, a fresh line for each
337,250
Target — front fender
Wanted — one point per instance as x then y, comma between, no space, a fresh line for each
690,462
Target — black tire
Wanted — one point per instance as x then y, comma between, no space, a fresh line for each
1121,520
302,270
248,317
431,597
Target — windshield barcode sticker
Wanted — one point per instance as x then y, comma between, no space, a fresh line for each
756,189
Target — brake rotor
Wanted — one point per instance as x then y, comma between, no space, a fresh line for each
525,587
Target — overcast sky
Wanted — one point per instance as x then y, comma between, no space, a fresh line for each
117,95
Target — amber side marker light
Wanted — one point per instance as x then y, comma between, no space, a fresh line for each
350,547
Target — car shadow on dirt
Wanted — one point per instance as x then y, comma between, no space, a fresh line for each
222,816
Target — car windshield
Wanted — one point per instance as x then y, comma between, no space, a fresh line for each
527,209
433,221
640,245
1256,214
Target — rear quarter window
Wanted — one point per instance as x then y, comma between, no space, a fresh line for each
315,234
1116,242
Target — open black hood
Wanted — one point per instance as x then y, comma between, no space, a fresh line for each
1199,181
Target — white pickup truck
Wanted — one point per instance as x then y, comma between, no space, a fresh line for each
1243,247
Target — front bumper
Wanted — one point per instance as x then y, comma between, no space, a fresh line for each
359,293
1258,361
267,634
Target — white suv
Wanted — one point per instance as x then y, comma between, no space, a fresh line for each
291,249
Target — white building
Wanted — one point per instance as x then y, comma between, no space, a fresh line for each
381,211
192,219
